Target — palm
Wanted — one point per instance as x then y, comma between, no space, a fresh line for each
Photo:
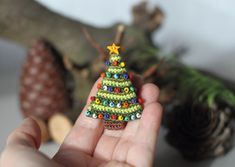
88,144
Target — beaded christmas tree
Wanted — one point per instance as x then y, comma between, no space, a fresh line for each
116,101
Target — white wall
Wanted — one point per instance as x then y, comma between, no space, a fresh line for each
206,27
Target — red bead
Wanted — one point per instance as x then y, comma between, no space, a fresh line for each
92,98
140,100
117,90
113,116
115,63
130,76
102,74
99,85
100,116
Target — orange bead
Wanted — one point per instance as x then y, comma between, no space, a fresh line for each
99,85
100,116
102,74
115,63
125,104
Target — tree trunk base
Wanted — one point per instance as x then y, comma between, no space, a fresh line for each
114,125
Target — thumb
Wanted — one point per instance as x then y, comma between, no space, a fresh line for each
27,134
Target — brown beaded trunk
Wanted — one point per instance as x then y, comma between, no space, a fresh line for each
114,125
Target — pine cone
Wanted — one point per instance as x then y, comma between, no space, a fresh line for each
198,131
43,83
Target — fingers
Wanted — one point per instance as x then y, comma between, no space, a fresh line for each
150,94
85,133
27,134
149,126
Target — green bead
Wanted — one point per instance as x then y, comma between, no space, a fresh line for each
132,89
126,118
105,103
89,108
108,74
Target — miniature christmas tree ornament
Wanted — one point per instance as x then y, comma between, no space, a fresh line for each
116,101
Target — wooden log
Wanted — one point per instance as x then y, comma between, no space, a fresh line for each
45,136
30,20
60,124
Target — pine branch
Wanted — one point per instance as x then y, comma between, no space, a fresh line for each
203,89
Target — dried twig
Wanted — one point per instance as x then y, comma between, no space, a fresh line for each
120,34
93,42
151,70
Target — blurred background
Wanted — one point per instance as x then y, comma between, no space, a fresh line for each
204,27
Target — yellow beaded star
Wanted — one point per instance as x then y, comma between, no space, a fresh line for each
113,49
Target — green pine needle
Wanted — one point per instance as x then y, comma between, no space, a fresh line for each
203,89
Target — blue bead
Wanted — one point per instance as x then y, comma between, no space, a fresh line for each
107,63
125,76
110,89
134,100
88,113
116,76
111,104
106,116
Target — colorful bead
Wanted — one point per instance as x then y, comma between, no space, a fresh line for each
115,63
132,89
111,104
116,76
92,98
110,89
107,63
117,90
105,87
120,118
102,74
134,100
126,118
140,100
122,64
99,85
119,105
106,116
132,117
89,108
114,117
100,116
125,104
97,101
105,102
88,113
138,115
130,76
108,74
125,76
94,115
126,89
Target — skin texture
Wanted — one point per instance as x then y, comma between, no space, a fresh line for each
90,145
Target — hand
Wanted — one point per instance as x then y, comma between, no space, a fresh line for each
88,143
